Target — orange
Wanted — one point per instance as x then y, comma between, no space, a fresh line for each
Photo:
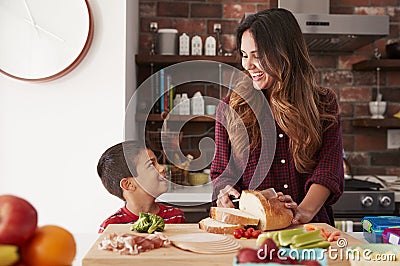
51,245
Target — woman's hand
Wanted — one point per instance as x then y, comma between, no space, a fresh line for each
301,216
223,197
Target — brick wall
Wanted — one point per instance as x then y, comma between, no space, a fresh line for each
365,147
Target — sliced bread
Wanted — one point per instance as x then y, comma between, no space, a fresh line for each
272,213
233,216
213,226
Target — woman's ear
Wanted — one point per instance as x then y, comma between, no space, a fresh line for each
127,183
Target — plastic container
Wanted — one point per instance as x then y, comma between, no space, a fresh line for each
373,226
184,105
391,235
197,104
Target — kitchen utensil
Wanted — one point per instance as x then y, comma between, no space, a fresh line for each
377,109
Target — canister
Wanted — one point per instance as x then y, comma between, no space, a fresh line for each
167,41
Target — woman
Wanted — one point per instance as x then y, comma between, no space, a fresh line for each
307,164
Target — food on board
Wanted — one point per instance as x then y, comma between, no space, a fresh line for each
254,210
133,244
148,223
233,216
213,226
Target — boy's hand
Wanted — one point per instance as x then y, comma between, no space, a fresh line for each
223,197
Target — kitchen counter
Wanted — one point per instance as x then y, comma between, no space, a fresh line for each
203,193
188,194
174,256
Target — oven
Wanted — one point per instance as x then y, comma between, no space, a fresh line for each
362,198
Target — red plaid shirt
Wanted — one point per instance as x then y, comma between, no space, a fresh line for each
170,215
282,174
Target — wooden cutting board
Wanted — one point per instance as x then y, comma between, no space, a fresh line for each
174,256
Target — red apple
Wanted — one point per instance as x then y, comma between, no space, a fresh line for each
246,255
18,220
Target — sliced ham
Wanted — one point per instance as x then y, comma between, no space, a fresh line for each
132,244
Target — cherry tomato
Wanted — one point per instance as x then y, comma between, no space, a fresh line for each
242,230
247,235
250,230
256,233
237,233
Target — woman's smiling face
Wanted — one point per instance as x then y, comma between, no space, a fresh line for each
251,62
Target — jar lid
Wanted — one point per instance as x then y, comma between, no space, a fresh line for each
167,31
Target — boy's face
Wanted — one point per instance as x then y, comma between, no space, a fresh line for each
151,175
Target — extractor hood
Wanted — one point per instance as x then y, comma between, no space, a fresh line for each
326,32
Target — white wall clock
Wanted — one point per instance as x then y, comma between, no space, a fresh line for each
42,40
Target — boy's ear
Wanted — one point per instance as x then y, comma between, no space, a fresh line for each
127,183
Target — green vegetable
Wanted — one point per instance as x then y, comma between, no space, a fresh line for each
307,238
148,223
319,244
286,236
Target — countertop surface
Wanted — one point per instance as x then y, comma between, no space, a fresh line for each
203,193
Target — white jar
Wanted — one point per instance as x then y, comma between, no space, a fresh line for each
177,101
184,105
197,104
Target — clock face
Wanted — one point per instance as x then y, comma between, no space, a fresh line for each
43,39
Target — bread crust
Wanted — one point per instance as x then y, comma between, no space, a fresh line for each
242,218
277,216
228,229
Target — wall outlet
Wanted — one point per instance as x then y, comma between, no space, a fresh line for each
393,138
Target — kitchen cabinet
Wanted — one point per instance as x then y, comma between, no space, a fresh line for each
192,127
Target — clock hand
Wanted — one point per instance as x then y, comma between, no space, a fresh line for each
30,16
44,30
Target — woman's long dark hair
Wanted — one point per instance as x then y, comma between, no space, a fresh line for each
295,97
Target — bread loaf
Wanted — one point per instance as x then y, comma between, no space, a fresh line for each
213,226
272,213
233,216
254,209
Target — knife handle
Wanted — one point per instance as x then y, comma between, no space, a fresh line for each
235,201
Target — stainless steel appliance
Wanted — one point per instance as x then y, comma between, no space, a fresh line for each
335,32
363,198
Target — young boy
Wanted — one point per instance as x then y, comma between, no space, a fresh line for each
131,172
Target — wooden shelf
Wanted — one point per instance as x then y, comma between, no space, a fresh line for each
144,59
378,123
384,64
175,118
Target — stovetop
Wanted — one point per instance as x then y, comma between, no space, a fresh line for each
361,185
